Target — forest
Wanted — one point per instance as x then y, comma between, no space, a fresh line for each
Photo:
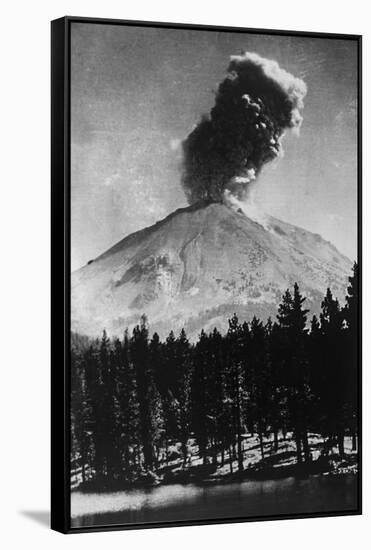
146,411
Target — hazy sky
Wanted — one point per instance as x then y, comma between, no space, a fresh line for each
137,92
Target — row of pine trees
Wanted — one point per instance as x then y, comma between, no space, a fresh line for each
133,399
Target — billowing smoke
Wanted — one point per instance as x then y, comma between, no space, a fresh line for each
254,105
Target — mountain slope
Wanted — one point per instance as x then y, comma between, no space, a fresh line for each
197,267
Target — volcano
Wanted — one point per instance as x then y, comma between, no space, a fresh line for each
199,266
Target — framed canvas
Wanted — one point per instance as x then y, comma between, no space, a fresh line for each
206,274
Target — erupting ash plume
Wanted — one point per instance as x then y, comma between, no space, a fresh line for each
254,105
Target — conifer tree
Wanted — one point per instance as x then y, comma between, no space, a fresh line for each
215,379
139,351
199,395
234,366
272,380
81,420
352,300
334,382
95,392
292,320
128,406
183,394
351,314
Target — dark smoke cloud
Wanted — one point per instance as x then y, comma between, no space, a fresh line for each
254,105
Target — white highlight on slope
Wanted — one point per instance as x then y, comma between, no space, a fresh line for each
248,206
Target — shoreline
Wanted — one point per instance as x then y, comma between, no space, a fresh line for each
186,478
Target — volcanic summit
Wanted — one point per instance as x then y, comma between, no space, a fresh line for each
197,267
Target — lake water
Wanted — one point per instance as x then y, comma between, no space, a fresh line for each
245,499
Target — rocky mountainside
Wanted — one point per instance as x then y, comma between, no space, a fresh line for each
197,267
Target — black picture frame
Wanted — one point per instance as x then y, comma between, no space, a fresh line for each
60,270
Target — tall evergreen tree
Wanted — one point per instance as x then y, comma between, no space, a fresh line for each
235,374
199,395
139,351
292,319
275,412
128,407
334,380
81,419
259,395
107,403
215,390
351,308
352,336
183,393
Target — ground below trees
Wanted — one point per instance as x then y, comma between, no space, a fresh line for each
325,459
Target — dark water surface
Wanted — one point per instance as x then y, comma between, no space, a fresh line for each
228,500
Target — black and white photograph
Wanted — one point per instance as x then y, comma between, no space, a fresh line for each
214,275
185,229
